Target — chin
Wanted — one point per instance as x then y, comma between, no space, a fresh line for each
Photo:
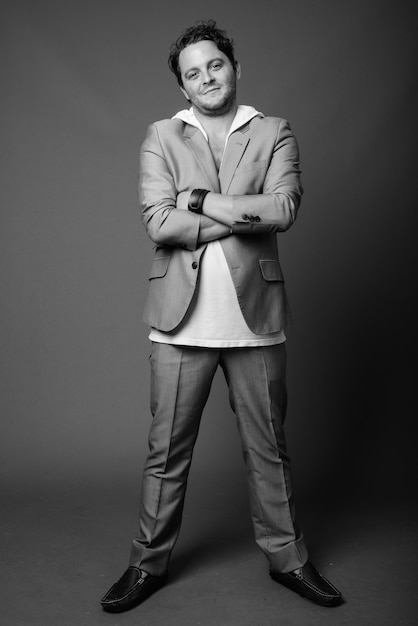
219,108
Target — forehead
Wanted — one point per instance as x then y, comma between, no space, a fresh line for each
199,54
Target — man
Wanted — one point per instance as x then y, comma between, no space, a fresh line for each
217,182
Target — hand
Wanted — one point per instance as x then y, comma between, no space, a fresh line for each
182,201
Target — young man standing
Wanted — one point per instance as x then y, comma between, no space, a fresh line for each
217,182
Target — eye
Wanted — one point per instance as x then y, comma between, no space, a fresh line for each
192,76
217,65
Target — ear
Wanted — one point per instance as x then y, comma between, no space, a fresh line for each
238,70
183,91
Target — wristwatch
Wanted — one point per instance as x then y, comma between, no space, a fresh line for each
196,200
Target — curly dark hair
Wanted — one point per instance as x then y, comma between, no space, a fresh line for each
203,31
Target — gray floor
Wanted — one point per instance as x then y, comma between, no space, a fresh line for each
64,544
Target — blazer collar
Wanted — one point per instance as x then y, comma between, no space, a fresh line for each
235,148
200,148
234,151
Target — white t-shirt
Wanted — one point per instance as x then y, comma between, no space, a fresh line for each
214,318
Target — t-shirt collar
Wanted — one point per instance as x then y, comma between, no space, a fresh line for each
243,115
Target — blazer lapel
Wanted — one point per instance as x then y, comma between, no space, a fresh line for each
200,148
234,151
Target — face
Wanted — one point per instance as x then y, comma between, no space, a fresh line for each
209,79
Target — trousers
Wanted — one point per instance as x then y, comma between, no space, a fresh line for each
181,379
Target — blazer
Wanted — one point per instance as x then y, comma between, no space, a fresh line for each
260,169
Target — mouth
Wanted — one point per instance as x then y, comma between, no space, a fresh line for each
210,90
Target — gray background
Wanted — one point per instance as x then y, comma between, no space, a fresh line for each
80,83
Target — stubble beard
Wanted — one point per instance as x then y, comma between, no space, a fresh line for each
220,108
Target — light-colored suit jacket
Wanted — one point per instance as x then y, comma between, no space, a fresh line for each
261,162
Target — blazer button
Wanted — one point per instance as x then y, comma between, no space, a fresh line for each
245,217
194,265
257,218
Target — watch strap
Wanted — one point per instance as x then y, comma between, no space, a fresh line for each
196,200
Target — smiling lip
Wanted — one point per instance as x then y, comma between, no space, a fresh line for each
210,90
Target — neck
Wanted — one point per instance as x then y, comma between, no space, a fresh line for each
216,123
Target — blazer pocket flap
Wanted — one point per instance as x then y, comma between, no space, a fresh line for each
271,270
159,267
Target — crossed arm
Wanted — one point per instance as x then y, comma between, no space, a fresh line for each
165,211
210,229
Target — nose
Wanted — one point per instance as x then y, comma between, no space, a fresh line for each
206,77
